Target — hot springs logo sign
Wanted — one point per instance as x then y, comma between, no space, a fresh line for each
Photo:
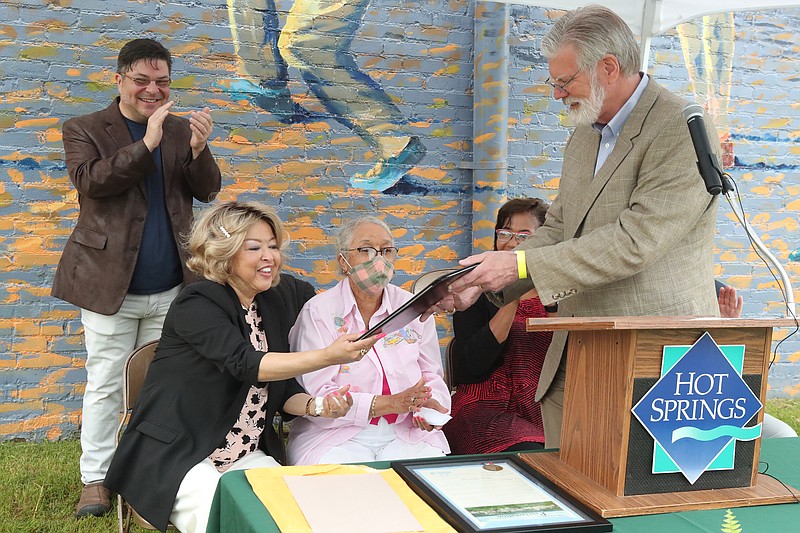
698,409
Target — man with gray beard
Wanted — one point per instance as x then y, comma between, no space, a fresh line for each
631,231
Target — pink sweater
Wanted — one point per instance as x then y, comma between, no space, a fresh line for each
406,355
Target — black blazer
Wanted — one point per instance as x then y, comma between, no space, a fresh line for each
195,389
476,352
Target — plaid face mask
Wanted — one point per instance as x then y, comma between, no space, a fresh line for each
371,276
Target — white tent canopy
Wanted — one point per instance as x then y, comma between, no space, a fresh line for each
651,17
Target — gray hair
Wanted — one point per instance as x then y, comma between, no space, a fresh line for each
344,238
594,31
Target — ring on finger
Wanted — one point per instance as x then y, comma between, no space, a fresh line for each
363,352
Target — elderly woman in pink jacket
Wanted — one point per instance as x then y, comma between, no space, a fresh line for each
391,384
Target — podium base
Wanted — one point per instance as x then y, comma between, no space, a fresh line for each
767,491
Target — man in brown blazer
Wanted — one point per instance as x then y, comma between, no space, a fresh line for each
631,231
136,168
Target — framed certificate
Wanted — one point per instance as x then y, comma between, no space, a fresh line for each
497,493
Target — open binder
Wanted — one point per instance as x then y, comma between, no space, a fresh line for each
417,305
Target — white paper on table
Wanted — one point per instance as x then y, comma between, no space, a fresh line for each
358,503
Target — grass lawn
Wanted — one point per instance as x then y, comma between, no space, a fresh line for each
41,484
40,489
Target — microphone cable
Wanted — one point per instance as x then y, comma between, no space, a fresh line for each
742,218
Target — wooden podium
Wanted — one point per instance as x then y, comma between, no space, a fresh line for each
600,437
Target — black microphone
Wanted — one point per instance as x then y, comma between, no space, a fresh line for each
706,160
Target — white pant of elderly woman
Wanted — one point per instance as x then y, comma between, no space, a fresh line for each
193,501
378,443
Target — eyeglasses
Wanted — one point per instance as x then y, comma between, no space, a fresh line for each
561,86
504,235
388,252
145,82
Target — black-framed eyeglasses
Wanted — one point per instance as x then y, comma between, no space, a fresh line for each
504,235
561,86
145,82
388,252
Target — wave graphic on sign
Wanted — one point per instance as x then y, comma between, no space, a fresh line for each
705,435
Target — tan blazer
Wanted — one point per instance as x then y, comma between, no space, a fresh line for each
108,170
635,239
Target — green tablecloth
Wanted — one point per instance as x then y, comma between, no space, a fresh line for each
236,509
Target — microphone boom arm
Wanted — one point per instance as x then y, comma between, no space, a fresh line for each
756,241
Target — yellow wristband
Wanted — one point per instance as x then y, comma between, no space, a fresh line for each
522,266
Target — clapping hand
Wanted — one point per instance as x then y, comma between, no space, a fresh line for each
201,125
155,126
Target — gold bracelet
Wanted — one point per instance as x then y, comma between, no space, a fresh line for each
308,405
372,407
522,266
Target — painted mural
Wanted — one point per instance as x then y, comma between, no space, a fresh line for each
328,110
316,40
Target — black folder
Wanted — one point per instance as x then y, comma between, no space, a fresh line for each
417,305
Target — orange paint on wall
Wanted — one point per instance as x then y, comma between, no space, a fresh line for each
41,27
460,145
411,211
485,137
443,253
36,122
447,236
430,173
51,135
310,233
40,422
484,243
36,259
411,251
8,31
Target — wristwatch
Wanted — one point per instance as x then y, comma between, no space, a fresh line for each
318,407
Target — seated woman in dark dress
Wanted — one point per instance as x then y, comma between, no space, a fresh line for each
221,371
495,362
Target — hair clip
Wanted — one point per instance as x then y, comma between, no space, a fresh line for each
224,231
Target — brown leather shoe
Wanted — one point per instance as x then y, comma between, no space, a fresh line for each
95,500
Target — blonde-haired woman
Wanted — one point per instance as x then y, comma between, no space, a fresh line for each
221,371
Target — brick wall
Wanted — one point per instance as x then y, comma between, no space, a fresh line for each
57,59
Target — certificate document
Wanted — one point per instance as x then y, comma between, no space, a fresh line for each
495,495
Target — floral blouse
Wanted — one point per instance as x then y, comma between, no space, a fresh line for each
243,437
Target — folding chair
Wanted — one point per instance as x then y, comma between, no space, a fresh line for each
448,365
132,380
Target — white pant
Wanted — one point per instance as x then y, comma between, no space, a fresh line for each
378,443
196,493
110,339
